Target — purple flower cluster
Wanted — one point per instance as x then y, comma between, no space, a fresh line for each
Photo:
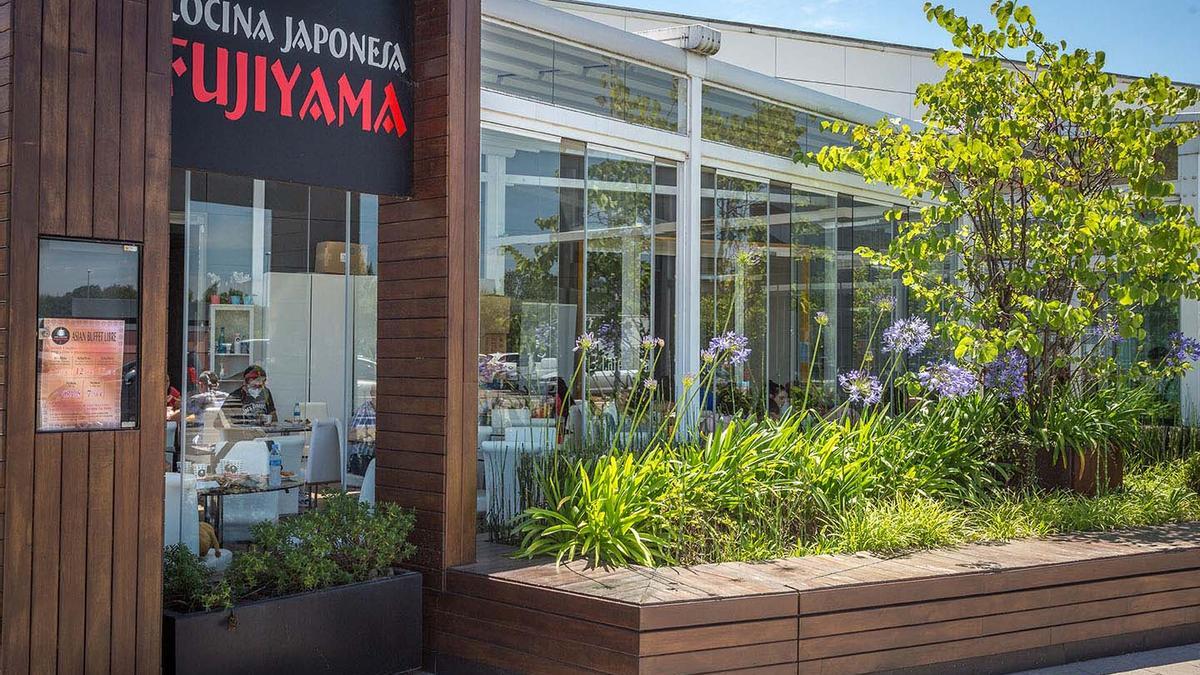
947,380
1106,330
908,336
649,342
489,368
861,387
1182,350
731,345
1007,374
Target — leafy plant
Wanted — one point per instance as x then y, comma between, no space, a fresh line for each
1044,182
342,542
189,586
1191,473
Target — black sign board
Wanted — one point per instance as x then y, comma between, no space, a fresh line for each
307,91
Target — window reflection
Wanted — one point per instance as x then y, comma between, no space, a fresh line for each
277,306
537,67
574,239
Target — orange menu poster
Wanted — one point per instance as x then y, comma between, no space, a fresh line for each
79,374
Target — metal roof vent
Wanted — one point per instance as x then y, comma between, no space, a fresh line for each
698,38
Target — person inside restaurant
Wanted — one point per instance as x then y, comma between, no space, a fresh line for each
362,436
252,402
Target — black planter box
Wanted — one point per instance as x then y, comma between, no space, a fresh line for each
370,628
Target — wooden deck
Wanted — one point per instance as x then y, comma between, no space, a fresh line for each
974,609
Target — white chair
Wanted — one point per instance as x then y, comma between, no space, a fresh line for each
367,494
180,525
171,446
324,455
291,450
242,511
503,418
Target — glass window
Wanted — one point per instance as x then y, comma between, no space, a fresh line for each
277,306
88,308
666,216
752,123
570,239
734,284
814,274
534,66
763,126
619,233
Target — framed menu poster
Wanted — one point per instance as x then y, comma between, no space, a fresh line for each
88,306
80,373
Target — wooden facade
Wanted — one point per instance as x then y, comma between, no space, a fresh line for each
428,300
90,158
976,609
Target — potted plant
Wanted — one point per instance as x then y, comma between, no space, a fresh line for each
314,593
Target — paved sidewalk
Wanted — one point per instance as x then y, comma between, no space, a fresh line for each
1171,661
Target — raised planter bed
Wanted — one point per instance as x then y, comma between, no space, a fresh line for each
981,608
370,628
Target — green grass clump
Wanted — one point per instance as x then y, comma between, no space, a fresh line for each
901,524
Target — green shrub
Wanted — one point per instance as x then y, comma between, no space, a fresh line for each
1191,472
604,510
189,586
901,524
342,542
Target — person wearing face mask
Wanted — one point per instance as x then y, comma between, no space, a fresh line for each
252,402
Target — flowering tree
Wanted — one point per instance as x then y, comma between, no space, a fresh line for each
1045,183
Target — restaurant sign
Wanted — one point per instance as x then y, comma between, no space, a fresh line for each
308,91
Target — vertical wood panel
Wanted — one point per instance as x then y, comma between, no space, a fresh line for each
133,120
55,25
81,137
107,120
72,576
47,508
125,555
154,331
18,543
99,553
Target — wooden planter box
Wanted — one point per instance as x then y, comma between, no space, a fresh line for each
370,627
1082,473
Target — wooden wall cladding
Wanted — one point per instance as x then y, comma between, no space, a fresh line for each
978,609
90,158
428,298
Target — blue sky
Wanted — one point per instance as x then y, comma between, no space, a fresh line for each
1137,36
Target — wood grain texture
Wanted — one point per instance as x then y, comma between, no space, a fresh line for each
88,157
428,306
1047,600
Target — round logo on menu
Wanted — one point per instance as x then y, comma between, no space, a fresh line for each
60,335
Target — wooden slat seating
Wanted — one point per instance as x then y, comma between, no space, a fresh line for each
978,608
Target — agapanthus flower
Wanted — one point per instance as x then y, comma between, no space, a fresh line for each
885,303
745,257
822,319
947,380
688,380
650,384
861,387
489,367
907,335
649,342
1182,350
1007,374
586,342
1106,330
731,345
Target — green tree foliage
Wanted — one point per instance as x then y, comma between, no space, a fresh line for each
1046,184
